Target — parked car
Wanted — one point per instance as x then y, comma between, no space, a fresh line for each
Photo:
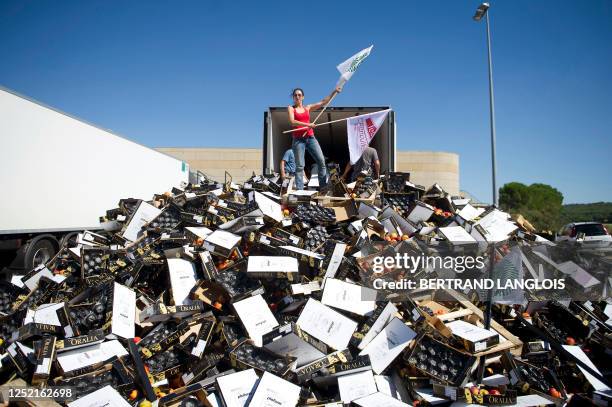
592,233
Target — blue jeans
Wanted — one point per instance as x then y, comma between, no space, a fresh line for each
299,147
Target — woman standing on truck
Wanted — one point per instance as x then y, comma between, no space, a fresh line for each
299,116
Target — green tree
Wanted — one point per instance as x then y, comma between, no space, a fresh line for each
513,195
541,204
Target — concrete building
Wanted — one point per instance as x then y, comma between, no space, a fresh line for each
425,167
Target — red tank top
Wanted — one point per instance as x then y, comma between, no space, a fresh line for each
303,117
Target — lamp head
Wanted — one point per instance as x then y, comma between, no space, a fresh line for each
481,11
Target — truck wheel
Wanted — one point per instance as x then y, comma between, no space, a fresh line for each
68,240
40,250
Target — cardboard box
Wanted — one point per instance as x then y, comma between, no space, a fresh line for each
155,342
438,360
203,328
268,243
306,256
273,267
329,377
124,311
93,338
290,340
168,219
44,354
388,344
296,197
244,224
333,260
159,312
474,338
194,391
256,317
183,278
31,279
306,372
86,359
348,297
420,212
104,397
268,207
199,368
144,214
197,232
247,355
287,237
211,293
18,354
327,325
237,389
274,391
457,235
114,374
238,285
52,314
345,211
375,323
356,386
36,330
305,288
208,265
221,243
379,399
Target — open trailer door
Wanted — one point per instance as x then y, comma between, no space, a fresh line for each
331,137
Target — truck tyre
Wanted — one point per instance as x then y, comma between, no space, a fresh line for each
69,239
40,250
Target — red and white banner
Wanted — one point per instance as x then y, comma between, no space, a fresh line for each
361,130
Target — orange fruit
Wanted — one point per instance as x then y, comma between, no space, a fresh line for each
133,394
405,237
570,341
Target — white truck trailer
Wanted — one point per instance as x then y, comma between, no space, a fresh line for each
59,174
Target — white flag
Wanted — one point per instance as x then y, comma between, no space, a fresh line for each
361,130
348,67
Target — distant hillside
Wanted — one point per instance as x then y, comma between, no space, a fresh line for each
597,212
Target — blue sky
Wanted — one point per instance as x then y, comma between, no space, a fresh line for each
200,73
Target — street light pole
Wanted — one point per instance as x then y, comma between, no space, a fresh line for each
480,12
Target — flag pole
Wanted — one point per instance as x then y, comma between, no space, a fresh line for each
325,107
335,121
316,118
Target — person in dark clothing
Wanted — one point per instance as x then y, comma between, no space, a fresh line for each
287,164
368,162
